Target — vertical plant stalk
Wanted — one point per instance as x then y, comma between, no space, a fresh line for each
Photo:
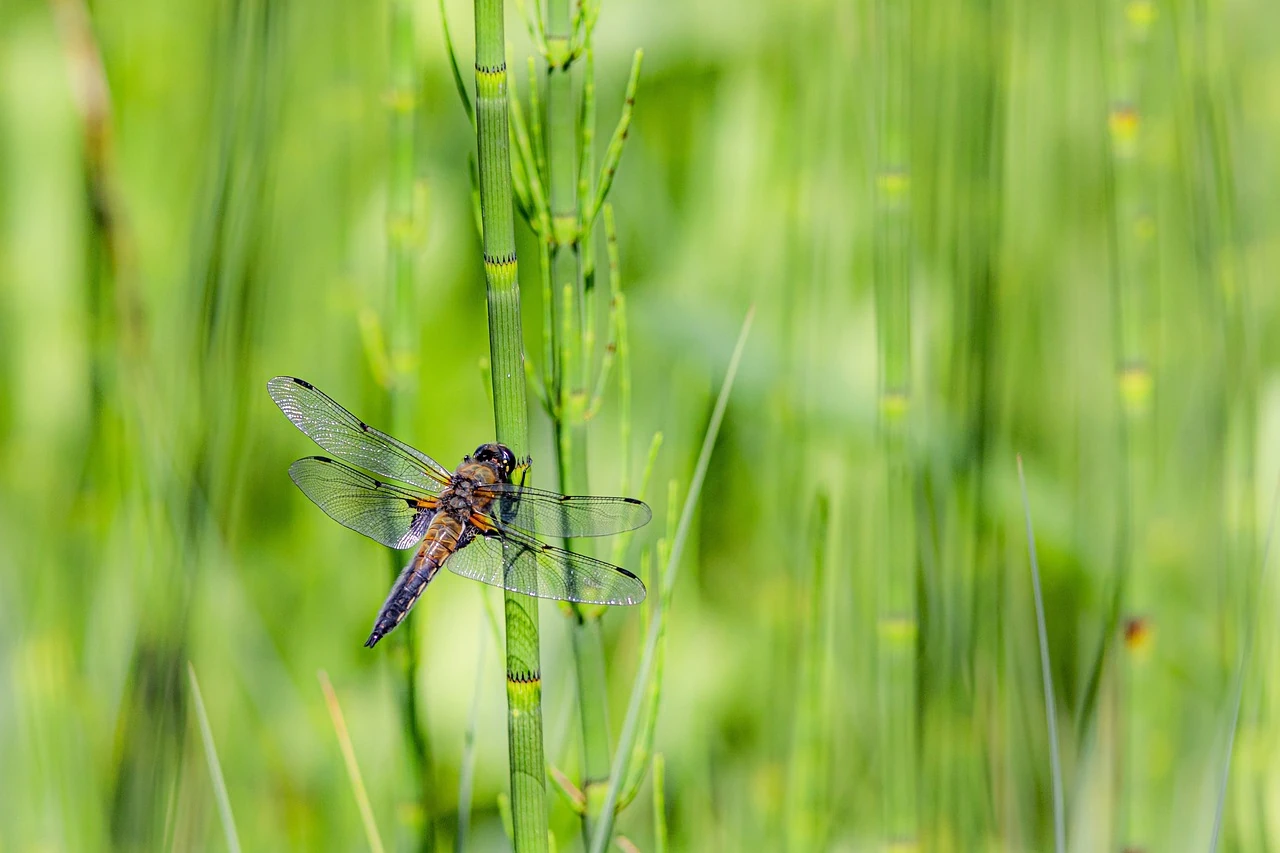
618,771
562,166
400,188
898,622
1206,125
467,765
116,310
569,351
589,663
196,478
1141,805
510,413
399,377
809,766
556,189
571,183
1242,671
1046,676
215,767
659,803
349,759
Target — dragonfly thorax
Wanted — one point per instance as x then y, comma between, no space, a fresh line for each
461,498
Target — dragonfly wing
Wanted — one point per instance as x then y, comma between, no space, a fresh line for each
522,564
351,439
382,511
565,516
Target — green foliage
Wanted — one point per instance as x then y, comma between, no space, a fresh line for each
1082,273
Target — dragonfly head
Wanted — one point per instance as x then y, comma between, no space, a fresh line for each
499,456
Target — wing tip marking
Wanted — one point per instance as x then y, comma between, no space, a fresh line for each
626,572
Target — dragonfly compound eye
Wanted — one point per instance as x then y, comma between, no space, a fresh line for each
497,455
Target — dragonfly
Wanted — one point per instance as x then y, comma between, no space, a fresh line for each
478,520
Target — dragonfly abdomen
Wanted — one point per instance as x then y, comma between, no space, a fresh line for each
440,541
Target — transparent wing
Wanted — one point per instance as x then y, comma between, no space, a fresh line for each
523,564
566,516
382,511
351,439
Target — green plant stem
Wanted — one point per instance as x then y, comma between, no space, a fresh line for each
659,803
898,626
416,734
897,617
215,767
571,366
511,419
1141,803
808,768
400,378
639,687
588,653
467,771
401,178
562,171
561,134
659,605
1046,677
349,758
1242,671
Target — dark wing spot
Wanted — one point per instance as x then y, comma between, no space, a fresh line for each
625,572
377,484
633,500
304,383
364,426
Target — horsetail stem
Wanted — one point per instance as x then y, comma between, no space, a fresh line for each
569,143
506,354
648,661
898,614
1132,241
403,242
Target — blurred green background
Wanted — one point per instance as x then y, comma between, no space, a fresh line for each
1072,208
